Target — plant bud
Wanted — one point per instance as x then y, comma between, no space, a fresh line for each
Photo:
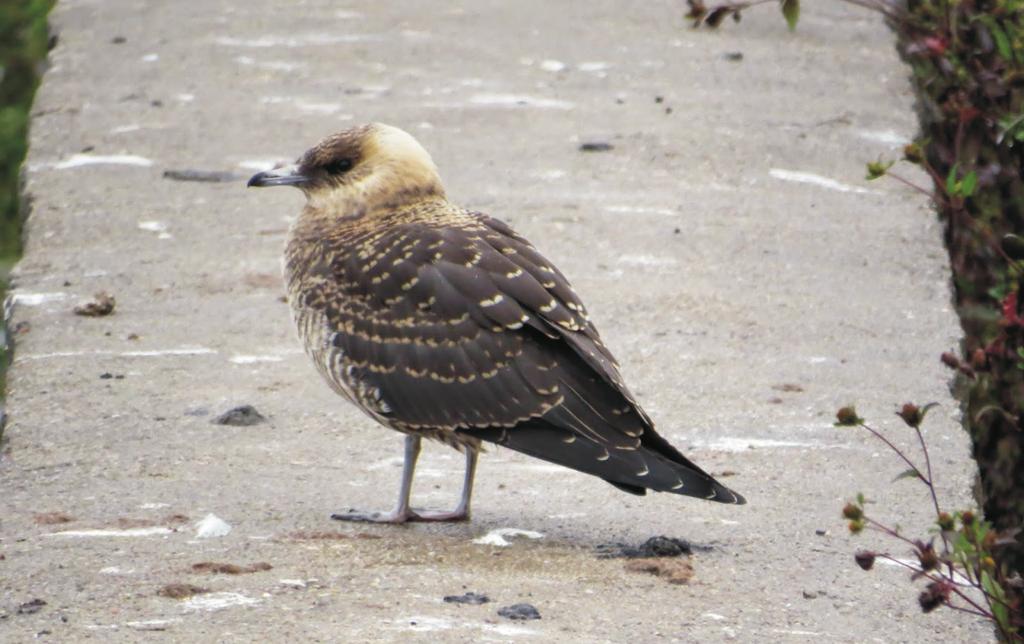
926,556
853,512
945,522
950,360
912,153
936,594
865,559
911,414
978,359
847,417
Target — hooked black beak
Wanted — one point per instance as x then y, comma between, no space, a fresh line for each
288,175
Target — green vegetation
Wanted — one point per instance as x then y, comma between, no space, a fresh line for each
24,42
960,570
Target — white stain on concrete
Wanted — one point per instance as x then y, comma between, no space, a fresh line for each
273,65
186,351
519,100
647,261
593,66
303,105
498,537
297,40
124,129
79,160
150,58
241,359
507,630
218,601
739,444
151,624
640,210
551,65
158,227
815,180
553,174
888,137
130,532
189,351
36,299
212,526
115,570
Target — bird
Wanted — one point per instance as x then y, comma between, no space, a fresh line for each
443,323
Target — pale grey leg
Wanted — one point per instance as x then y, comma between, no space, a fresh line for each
461,513
467,482
402,512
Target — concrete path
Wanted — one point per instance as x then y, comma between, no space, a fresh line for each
747,277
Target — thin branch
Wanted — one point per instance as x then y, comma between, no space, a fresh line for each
897,450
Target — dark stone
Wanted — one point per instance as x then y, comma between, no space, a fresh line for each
207,176
242,416
30,607
654,547
596,146
468,598
519,612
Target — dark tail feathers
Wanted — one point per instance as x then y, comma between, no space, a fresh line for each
633,471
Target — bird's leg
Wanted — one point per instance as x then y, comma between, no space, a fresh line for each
402,512
461,513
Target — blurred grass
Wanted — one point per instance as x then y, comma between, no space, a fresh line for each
24,42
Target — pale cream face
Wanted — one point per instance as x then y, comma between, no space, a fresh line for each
359,170
383,162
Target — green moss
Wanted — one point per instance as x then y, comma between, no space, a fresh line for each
24,42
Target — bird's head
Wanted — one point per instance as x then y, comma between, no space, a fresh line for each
367,166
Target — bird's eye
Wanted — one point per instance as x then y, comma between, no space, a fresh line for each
339,166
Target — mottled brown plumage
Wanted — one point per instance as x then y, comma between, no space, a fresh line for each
444,323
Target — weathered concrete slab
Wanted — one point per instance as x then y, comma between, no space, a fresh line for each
717,272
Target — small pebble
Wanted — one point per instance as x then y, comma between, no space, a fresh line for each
519,612
241,416
206,176
468,598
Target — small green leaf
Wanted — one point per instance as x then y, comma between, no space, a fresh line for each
928,407
791,11
1002,42
968,184
951,182
878,169
860,499
910,473
1012,126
